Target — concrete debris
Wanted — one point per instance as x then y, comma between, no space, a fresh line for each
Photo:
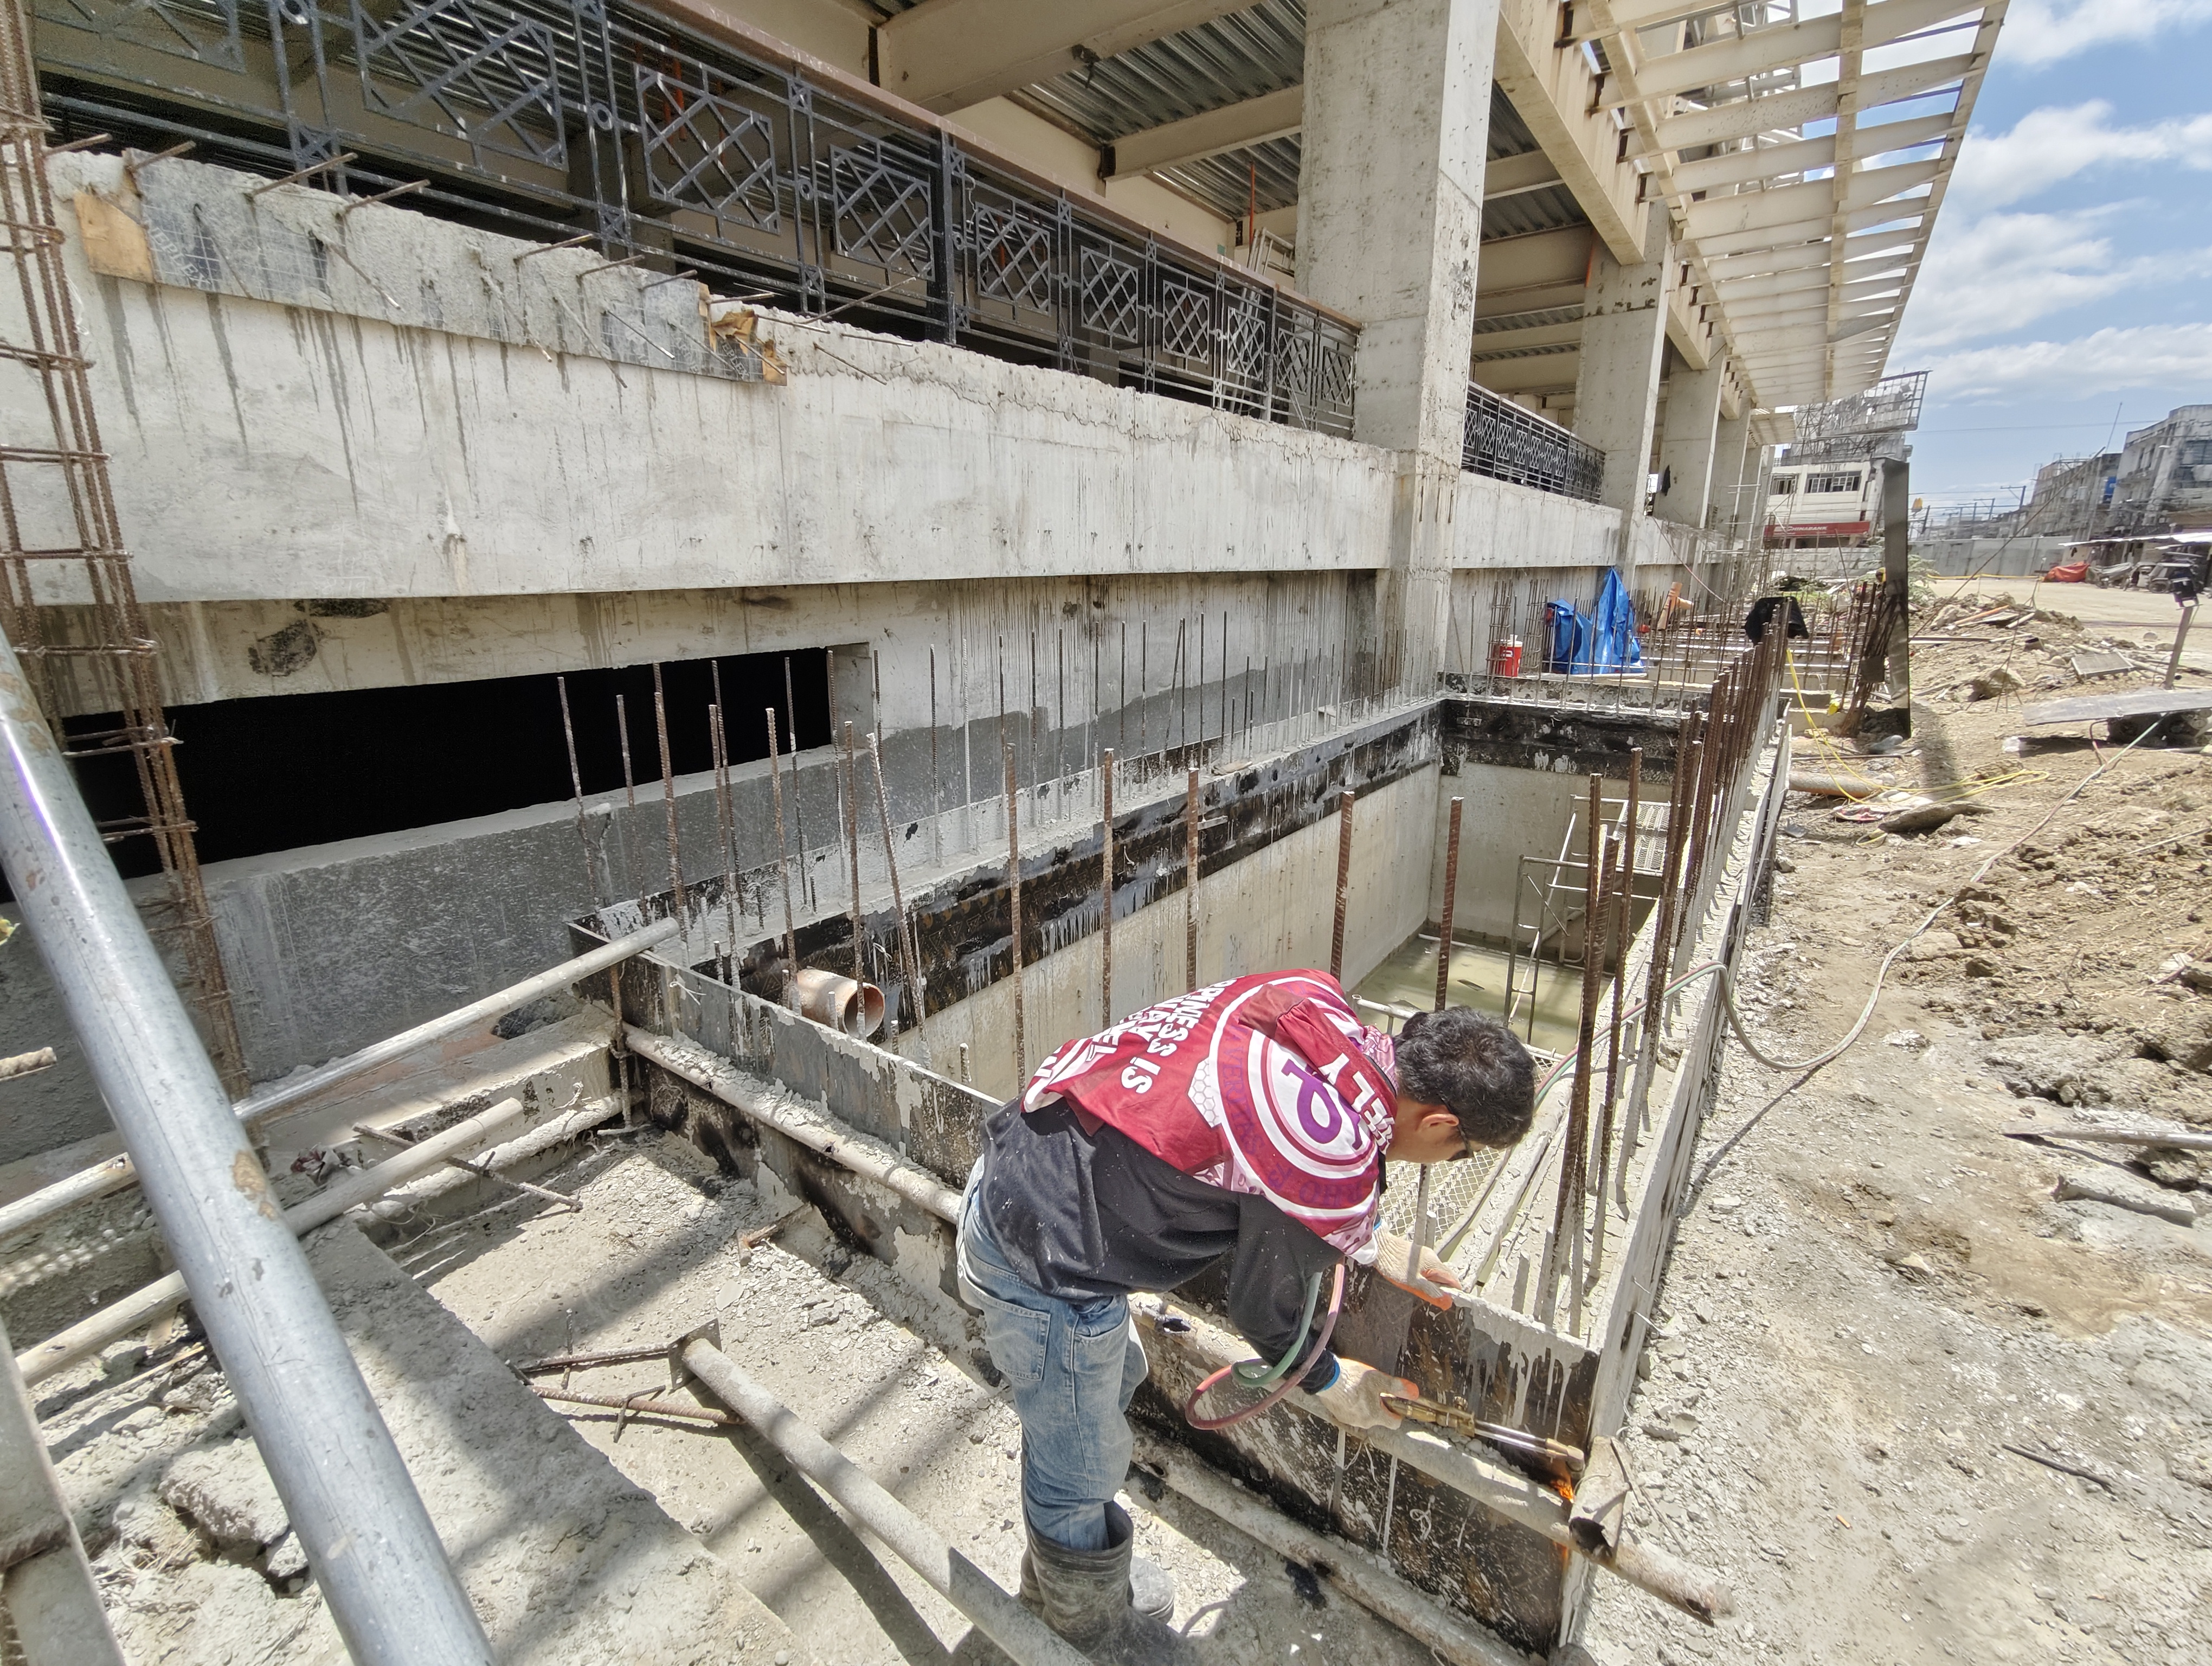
226,1492
2124,1193
1991,684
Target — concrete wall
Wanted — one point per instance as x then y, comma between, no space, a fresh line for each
1995,557
1509,814
1272,911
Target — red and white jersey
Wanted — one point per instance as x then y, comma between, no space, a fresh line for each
1266,1084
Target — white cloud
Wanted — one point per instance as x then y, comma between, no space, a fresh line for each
2004,271
2104,361
2057,142
2038,32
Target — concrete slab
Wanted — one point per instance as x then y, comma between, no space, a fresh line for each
566,1561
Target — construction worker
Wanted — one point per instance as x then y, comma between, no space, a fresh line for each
1243,1125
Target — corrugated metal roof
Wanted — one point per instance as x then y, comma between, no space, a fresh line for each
1227,61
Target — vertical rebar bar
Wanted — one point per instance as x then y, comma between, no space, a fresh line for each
1014,904
1343,882
1627,908
850,791
668,796
782,862
621,729
806,886
1190,877
914,984
1451,890
576,782
1575,1150
1106,890
725,829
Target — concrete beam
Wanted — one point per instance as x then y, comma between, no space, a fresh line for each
1541,260
1771,161
1781,112
1517,176
1736,57
1541,373
1210,132
1491,343
948,54
1775,238
1554,89
1758,211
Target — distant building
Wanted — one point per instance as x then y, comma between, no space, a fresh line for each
2165,475
1816,505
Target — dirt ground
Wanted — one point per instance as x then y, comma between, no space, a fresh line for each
1915,1405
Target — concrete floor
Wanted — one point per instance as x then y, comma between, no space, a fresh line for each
890,1377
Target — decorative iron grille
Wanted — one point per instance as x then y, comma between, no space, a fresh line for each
546,118
1508,443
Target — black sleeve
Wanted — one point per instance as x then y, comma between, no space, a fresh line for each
1268,1270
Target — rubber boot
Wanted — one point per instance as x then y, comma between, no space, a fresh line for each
1084,1595
1151,1592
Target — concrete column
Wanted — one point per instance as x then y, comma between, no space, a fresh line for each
1397,126
1687,441
1623,336
1736,470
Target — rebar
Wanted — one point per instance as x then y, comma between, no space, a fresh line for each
1106,890
114,639
1190,877
724,827
1014,902
898,899
1451,888
1575,1154
1343,882
783,861
849,791
668,794
576,782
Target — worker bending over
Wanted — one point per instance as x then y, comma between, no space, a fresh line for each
1245,1124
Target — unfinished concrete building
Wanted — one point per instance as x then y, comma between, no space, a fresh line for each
967,519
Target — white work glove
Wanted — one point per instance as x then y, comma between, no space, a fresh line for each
1355,1399
1393,1250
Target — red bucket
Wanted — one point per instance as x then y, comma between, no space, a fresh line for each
1505,657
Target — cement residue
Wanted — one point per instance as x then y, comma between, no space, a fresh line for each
893,1376
564,1560
1886,1355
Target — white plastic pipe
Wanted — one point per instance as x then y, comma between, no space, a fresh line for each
116,1172
376,1558
140,1309
1025,1637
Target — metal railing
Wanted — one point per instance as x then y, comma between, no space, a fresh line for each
698,151
1508,443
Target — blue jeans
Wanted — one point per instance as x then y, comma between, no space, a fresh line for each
1073,1367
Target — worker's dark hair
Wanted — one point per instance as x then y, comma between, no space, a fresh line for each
1473,1065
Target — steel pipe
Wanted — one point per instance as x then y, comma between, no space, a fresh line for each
1026,1638
116,1172
47,1590
393,1595
839,1003
361,1186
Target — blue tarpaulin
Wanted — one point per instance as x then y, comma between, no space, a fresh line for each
1582,644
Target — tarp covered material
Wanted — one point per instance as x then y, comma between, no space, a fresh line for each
1579,644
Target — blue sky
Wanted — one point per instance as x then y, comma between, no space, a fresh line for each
2068,276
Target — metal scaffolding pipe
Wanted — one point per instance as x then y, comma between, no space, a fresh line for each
1024,1637
116,1172
360,1186
47,1590
393,1595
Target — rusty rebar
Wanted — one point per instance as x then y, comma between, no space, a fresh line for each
782,858
898,897
1106,889
1624,909
1014,901
668,793
637,1405
622,728
1451,887
725,829
1575,1152
576,782
1190,870
850,788
1344,804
